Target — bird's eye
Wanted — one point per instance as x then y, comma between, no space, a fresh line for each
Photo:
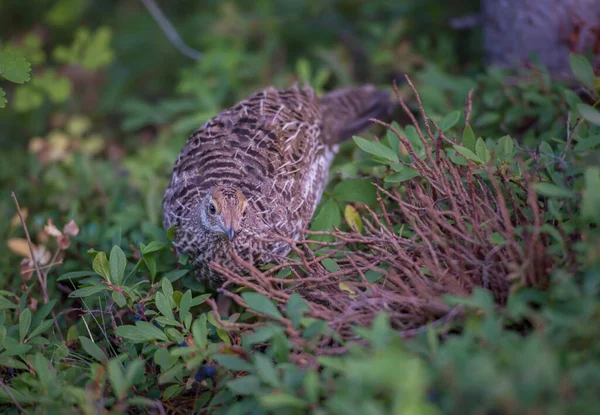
212,208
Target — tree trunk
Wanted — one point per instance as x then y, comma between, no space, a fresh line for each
517,30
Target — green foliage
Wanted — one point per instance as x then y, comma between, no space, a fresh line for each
135,328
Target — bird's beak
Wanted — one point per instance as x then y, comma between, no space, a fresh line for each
230,233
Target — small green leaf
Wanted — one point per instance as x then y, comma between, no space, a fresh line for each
275,401
359,190
151,247
552,190
119,298
24,324
261,304
142,332
40,328
117,263
167,288
468,138
3,100
92,349
185,304
295,309
248,385
199,332
505,146
266,369
117,378
468,153
150,261
134,370
101,266
311,386
327,217
232,362
406,174
260,335
170,392
582,69
591,194
590,113
164,306
330,265
88,291
13,67
376,149
74,275
482,151
449,120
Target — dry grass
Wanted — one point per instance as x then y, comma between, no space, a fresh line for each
455,216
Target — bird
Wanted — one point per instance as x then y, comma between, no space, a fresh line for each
258,169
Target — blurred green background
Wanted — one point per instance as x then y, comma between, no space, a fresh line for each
94,134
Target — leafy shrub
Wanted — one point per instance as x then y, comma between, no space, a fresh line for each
452,266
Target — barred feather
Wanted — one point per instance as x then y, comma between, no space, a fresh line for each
276,147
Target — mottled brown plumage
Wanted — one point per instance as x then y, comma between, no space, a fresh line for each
257,168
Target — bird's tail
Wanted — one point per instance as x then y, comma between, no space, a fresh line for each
347,111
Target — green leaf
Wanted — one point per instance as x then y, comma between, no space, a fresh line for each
505,146
261,304
88,291
6,304
467,153
3,100
92,349
591,194
176,274
248,385
24,324
327,217
13,67
584,144
376,149
449,120
40,328
468,138
142,332
101,266
117,378
266,370
232,362
151,264
311,386
151,247
482,151
552,190
185,304
167,288
582,69
199,332
295,309
359,190
278,400
119,298
134,370
407,173
260,335
170,392
164,306
75,275
591,114
117,262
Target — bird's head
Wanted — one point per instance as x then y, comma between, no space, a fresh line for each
222,210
